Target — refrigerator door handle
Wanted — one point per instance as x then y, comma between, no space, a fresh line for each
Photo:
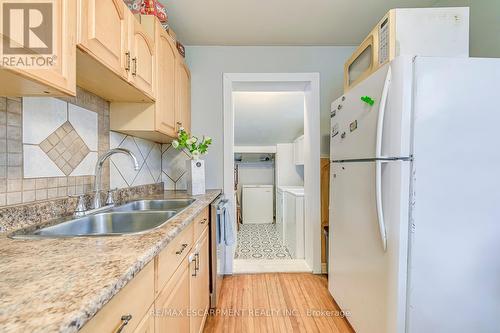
380,210
381,114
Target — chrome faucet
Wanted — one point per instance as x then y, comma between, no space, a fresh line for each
98,171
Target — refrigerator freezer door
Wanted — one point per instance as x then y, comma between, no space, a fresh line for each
355,121
357,127
454,269
365,280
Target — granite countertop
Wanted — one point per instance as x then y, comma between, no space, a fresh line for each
57,285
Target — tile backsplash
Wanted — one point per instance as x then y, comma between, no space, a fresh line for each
148,154
49,148
37,136
173,168
59,138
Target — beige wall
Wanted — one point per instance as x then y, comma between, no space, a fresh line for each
484,25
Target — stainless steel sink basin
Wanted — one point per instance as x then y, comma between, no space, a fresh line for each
155,205
131,218
103,224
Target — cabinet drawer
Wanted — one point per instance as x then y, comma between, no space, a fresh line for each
134,299
200,223
169,259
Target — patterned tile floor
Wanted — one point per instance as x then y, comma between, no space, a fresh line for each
260,241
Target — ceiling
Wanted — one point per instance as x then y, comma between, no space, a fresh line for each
267,118
278,22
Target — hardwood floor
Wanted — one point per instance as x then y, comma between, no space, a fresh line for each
276,302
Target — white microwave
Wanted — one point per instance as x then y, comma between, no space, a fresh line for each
410,31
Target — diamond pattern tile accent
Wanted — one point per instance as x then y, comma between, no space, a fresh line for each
65,148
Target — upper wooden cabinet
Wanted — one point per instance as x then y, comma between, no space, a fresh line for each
142,51
166,63
161,120
115,59
183,95
57,79
103,32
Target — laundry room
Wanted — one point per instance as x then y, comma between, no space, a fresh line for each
269,177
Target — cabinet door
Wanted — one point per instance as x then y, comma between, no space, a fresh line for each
183,95
165,96
142,67
199,289
102,32
58,79
172,303
147,324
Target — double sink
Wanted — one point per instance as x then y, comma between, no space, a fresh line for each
131,218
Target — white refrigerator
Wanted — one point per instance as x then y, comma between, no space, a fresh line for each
415,198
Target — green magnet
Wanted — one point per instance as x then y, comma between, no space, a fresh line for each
368,100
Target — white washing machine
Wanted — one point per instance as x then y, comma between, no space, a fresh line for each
280,207
293,222
257,203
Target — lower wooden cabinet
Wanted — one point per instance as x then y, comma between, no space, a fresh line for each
147,324
170,294
127,308
172,304
199,284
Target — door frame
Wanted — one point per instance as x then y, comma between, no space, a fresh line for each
310,83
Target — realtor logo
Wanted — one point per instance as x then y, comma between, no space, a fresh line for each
27,33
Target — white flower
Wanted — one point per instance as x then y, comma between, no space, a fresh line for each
207,138
194,139
175,144
189,141
196,154
181,129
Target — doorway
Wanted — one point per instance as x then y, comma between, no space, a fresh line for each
264,154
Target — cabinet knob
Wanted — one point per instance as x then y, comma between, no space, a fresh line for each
125,319
203,221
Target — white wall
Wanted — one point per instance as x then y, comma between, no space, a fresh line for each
256,173
208,63
484,25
